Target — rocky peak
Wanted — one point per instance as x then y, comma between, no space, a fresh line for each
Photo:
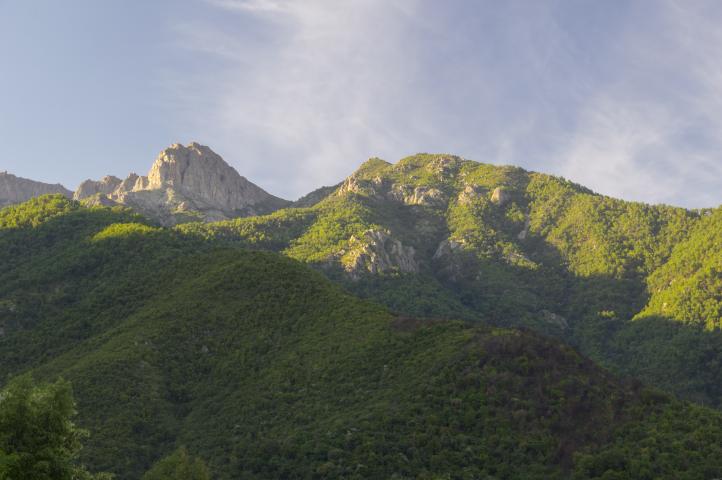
17,190
104,186
185,183
199,172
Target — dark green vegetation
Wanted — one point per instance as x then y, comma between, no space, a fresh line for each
38,440
638,288
263,368
179,465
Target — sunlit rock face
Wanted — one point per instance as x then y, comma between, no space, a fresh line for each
378,252
105,186
17,190
501,195
185,183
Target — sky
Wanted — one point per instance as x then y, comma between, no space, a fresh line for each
624,97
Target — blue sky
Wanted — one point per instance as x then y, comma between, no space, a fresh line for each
624,97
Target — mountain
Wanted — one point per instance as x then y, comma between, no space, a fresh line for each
185,183
636,287
17,190
267,369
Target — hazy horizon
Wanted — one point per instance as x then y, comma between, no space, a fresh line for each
622,97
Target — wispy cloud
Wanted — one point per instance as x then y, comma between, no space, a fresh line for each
626,101
253,5
306,103
651,133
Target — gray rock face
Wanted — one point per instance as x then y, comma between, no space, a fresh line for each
360,187
377,252
104,186
17,190
443,166
185,183
201,174
470,194
450,260
409,195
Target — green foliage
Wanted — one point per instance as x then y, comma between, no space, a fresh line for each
269,232
688,287
338,220
179,465
553,250
38,440
265,369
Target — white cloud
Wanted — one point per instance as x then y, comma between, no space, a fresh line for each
253,5
309,99
608,147
652,133
304,91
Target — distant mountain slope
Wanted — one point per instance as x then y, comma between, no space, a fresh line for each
267,370
688,287
437,235
17,190
184,184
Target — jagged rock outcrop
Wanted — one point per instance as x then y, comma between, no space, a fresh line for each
378,252
105,186
444,166
410,195
360,187
450,260
501,196
184,183
17,190
470,193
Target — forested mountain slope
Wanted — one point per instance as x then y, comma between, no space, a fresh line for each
266,369
436,235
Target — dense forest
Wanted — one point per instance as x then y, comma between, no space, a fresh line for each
635,287
434,318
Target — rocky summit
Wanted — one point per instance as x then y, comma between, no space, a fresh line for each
185,183
17,190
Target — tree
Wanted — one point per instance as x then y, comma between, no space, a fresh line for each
179,465
38,440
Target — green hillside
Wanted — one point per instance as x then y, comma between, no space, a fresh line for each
636,287
264,368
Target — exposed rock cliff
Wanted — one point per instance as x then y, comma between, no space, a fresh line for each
105,186
17,190
377,252
185,183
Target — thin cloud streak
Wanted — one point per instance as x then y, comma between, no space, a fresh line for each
315,87
651,136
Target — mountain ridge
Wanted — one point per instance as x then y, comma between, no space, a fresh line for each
266,369
436,235
164,194
630,284
15,189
